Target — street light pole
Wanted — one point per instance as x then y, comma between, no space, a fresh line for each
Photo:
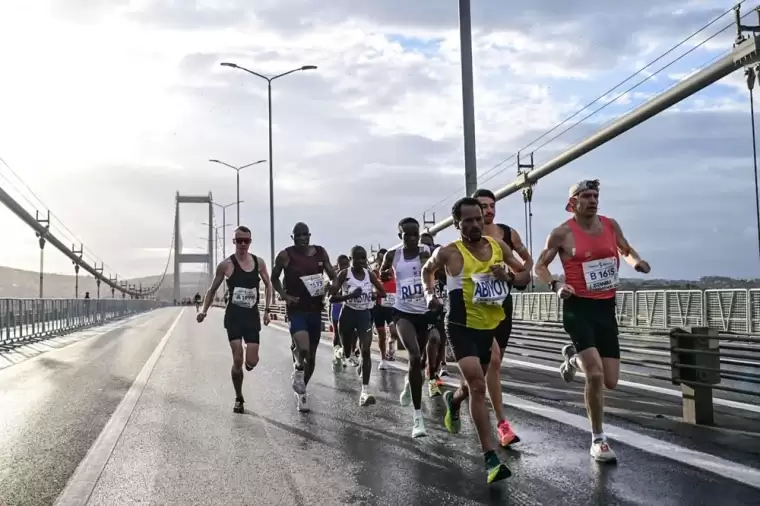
224,223
271,165
237,169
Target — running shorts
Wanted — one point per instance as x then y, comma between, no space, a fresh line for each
592,323
248,330
467,342
355,320
310,322
382,316
504,330
335,312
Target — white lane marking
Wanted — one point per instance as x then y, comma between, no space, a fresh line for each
639,386
83,481
704,461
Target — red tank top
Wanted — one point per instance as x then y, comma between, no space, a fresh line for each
389,286
593,269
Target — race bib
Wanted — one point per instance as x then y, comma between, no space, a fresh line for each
245,297
389,300
315,284
364,301
601,274
489,290
410,291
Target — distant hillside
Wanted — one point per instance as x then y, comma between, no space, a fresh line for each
18,283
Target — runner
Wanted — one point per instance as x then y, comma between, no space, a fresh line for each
410,311
510,236
477,284
338,362
355,284
434,355
244,273
589,246
304,265
382,314
197,299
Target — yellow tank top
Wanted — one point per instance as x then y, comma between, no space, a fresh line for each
476,295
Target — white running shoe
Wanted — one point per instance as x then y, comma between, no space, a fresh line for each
418,429
302,402
299,385
601,451
406,396
382,365
366,398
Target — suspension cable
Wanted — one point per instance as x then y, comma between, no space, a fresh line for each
750,73
528,204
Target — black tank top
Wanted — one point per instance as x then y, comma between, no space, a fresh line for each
304,279
243,290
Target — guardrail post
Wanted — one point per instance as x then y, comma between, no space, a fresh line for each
695,366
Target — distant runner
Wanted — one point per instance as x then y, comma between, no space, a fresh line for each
355,285
434,355
589,246
244,273
197,300
477,283
303,294
335,307
512,238
382,314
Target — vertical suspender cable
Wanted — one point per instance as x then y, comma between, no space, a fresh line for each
750,73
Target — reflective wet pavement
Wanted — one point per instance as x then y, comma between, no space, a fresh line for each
183,445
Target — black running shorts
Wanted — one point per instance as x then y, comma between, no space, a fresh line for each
592,323
354,320
246,327
466,342
504,330
382,316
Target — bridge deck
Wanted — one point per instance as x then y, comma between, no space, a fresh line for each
164,433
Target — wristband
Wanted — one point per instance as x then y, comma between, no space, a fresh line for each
553,285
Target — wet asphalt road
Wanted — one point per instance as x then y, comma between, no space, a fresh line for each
183,445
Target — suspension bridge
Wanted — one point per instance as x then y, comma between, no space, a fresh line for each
122,398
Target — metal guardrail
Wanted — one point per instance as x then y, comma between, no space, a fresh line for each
701,361
29,320
730,310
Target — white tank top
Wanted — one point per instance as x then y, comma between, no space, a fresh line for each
365,301
409,295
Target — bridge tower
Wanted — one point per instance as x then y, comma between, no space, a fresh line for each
202,258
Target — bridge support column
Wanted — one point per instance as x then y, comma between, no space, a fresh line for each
695,367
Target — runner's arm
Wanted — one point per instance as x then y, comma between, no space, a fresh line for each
521,250
626,250
436,262
547,256
328,266
387,264
264,274
221,270
377,284
336,283
280,263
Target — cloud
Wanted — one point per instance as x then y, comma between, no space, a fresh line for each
130,102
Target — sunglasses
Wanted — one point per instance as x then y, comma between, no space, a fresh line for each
241,240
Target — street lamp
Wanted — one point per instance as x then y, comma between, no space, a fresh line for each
237,169
271,173
224,223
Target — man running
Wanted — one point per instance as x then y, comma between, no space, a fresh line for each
434,355
477,284
356,285
335,307
197,299
304,265
382,314
244,273
589,246
512,238
410,311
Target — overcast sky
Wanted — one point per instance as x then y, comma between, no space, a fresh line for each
108,108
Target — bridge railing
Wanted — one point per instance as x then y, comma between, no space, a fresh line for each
27,320
727,310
